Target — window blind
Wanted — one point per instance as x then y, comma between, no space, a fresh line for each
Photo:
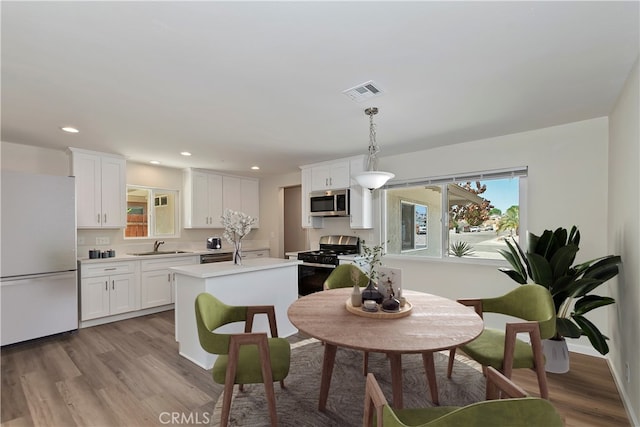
448,179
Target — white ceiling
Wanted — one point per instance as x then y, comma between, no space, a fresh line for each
244,83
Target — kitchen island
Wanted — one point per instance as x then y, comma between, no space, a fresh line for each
259,281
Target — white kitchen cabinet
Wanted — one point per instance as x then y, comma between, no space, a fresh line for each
202,199
231,193
308,221
100,189
157,281
261,253
331,176
243,195
360,199
108,288
360,202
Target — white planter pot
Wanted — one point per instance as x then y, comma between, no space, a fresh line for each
556,355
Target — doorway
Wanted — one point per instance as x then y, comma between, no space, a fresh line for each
295,237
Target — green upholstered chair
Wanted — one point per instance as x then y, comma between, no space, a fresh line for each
515,409
502,349
345,276
243,358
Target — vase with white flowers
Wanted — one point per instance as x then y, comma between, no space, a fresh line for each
236,226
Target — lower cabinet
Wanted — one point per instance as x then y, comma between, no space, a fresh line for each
108,289
157,281
262,253
117,287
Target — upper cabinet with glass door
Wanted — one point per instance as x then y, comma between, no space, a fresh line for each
152,212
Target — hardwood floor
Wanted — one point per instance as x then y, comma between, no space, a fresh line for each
129,373
585,396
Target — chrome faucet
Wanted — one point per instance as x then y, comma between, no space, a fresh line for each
156,245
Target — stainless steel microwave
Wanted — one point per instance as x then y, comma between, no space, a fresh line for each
329,203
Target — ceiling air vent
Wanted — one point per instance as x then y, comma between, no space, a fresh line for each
363,91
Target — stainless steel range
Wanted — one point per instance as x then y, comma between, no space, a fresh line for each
317,265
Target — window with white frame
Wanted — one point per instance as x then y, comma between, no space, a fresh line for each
152,212
463,216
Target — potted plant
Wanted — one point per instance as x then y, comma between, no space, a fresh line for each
549,262
371,259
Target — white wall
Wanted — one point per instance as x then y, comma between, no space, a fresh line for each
624,239
27,158
272,209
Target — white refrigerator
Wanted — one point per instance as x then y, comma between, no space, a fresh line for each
38,269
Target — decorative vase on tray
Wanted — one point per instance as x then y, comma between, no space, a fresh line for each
391,303
371,292
236,226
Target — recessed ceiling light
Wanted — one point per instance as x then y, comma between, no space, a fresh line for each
255,168
154,162
185,153
69,129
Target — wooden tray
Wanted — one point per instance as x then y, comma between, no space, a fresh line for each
404,311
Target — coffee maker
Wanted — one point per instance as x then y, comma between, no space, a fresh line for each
214,243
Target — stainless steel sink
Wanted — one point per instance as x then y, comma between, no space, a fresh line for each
160,253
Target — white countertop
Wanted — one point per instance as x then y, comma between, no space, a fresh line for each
204,271
293,253
120,256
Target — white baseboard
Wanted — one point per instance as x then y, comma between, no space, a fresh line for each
582,349
123,316
626,401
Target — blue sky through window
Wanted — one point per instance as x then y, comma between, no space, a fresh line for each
503,193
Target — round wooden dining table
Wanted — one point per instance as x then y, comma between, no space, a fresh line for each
433,324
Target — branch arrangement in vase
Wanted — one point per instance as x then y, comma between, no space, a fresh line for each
236,226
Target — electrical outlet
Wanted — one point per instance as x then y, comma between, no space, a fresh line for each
102,240
627,371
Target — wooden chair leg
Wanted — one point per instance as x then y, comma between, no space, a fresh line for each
271,400
542,382
226,404
365,363
452,355
267,377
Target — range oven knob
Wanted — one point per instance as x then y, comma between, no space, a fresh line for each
327,260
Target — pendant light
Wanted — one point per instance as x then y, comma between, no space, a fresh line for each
372,178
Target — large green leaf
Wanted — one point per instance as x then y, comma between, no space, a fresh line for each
574,236
517,277
532,242
590,302
604,269
514,259
598,341
583,286
540,270
560,235
545,245
562,285
562,260
566,328
523,257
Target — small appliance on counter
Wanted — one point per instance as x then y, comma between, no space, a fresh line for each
214,243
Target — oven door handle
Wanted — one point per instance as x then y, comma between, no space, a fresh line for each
313,264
